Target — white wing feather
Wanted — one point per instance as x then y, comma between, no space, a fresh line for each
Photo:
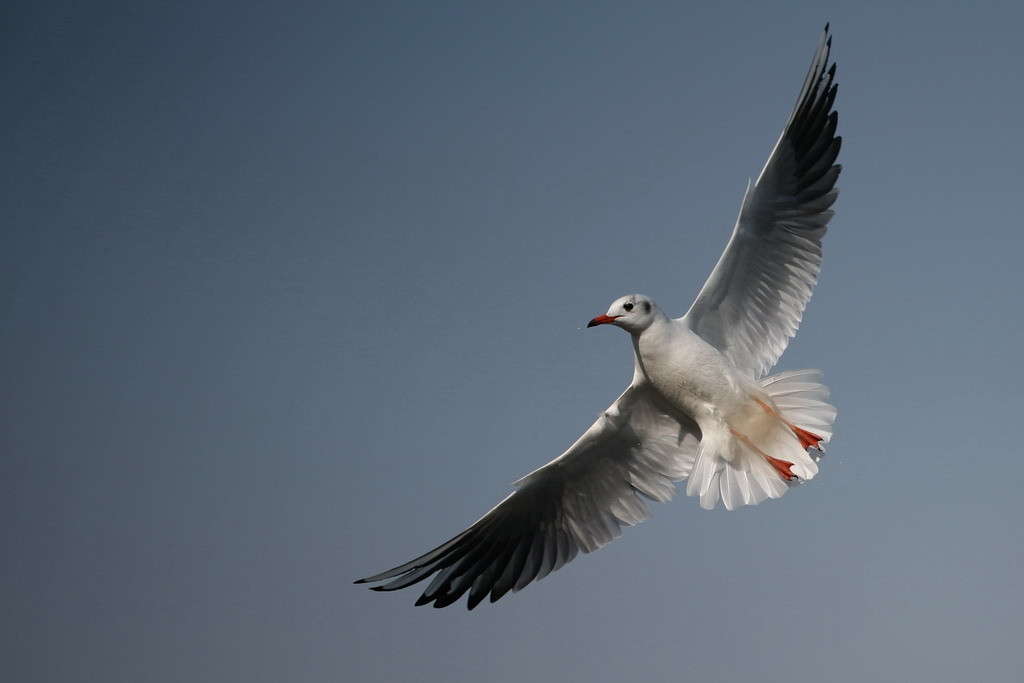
753,301
579,501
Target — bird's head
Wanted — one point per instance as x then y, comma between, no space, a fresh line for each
633,313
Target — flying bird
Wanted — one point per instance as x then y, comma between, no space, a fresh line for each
700,407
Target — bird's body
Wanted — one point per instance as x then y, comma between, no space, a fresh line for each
700,406
744,432
691,374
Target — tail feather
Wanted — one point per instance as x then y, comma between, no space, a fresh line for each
734,472
803,400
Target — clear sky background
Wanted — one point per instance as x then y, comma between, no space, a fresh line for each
291,292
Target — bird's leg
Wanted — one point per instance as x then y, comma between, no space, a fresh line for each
807,439
783,467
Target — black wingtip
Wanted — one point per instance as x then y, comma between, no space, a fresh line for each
443,600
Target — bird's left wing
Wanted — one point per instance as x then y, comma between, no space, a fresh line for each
579,501
753,301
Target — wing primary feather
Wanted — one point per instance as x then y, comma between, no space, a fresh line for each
513,569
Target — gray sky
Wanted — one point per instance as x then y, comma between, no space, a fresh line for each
291,292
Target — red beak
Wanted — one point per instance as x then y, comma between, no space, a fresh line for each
602,320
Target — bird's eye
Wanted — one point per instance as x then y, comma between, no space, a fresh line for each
628,307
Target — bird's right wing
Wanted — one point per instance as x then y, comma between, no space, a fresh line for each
579,501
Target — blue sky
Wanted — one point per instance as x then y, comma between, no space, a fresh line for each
292,291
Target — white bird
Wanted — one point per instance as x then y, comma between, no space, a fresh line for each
699,406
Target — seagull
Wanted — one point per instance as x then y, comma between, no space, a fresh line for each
701,406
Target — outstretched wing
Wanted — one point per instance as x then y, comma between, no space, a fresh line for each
753,301
579,501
